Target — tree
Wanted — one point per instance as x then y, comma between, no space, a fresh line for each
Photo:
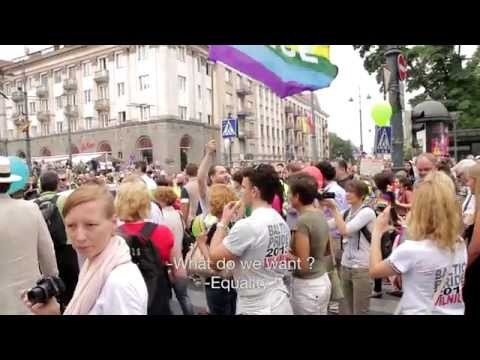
340,148
437,71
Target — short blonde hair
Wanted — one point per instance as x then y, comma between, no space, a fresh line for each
435,212
165,194
220,195
88,193
133,201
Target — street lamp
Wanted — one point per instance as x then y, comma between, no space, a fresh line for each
360,115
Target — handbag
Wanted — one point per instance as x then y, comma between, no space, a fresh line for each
196,264
336,293
188,238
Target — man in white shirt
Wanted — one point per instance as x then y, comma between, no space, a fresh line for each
258,246
141,170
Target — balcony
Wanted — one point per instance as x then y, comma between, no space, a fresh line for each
244,113
102,105
71,111
298,127
42,91
43,116
244,89
70,85
101,76
18,96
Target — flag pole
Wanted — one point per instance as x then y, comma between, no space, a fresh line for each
314,130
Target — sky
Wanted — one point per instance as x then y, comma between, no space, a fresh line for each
344,117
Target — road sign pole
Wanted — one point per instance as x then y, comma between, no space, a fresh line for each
394,96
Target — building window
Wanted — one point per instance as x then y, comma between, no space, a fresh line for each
144,82
30,83
228,76
71,99
71,73
102,63
44,79
33,131
8,89
182,83
86,69
121,89
32,108
199,90
87,95
142,52
105,119
209,118
122,116
199,64
89,122
209,91
181,53
44,129
261,131
59,127
182,112
228,99
119,61
200,116
250,105
102,92
239,80
57,76
208,69
58,102
44,105
144,113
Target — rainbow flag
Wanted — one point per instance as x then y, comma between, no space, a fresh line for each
286,69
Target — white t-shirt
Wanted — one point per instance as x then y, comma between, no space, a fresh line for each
356,248
423,266
258,241
151,185
124,293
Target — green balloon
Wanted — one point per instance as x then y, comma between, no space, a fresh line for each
381,113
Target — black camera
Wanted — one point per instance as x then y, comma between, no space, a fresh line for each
45,289
325,195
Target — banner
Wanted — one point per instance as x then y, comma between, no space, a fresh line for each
285,69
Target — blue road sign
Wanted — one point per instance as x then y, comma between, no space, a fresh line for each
383,140
229,128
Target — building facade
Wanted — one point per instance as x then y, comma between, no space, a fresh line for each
161,103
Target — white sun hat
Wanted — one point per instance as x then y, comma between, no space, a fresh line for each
5,176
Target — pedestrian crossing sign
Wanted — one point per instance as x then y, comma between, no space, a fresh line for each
383,140
229,128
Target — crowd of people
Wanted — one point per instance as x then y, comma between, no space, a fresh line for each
293,238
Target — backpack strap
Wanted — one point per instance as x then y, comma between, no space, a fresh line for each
147,230
345,215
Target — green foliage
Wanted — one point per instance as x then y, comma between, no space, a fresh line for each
340,148
436,71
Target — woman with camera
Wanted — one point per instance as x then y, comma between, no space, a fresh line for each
355,225
432,262
109,282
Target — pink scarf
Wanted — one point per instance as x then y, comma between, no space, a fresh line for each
94,274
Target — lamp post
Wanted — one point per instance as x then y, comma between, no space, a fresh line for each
360,115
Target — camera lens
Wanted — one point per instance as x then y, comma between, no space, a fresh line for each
37,295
